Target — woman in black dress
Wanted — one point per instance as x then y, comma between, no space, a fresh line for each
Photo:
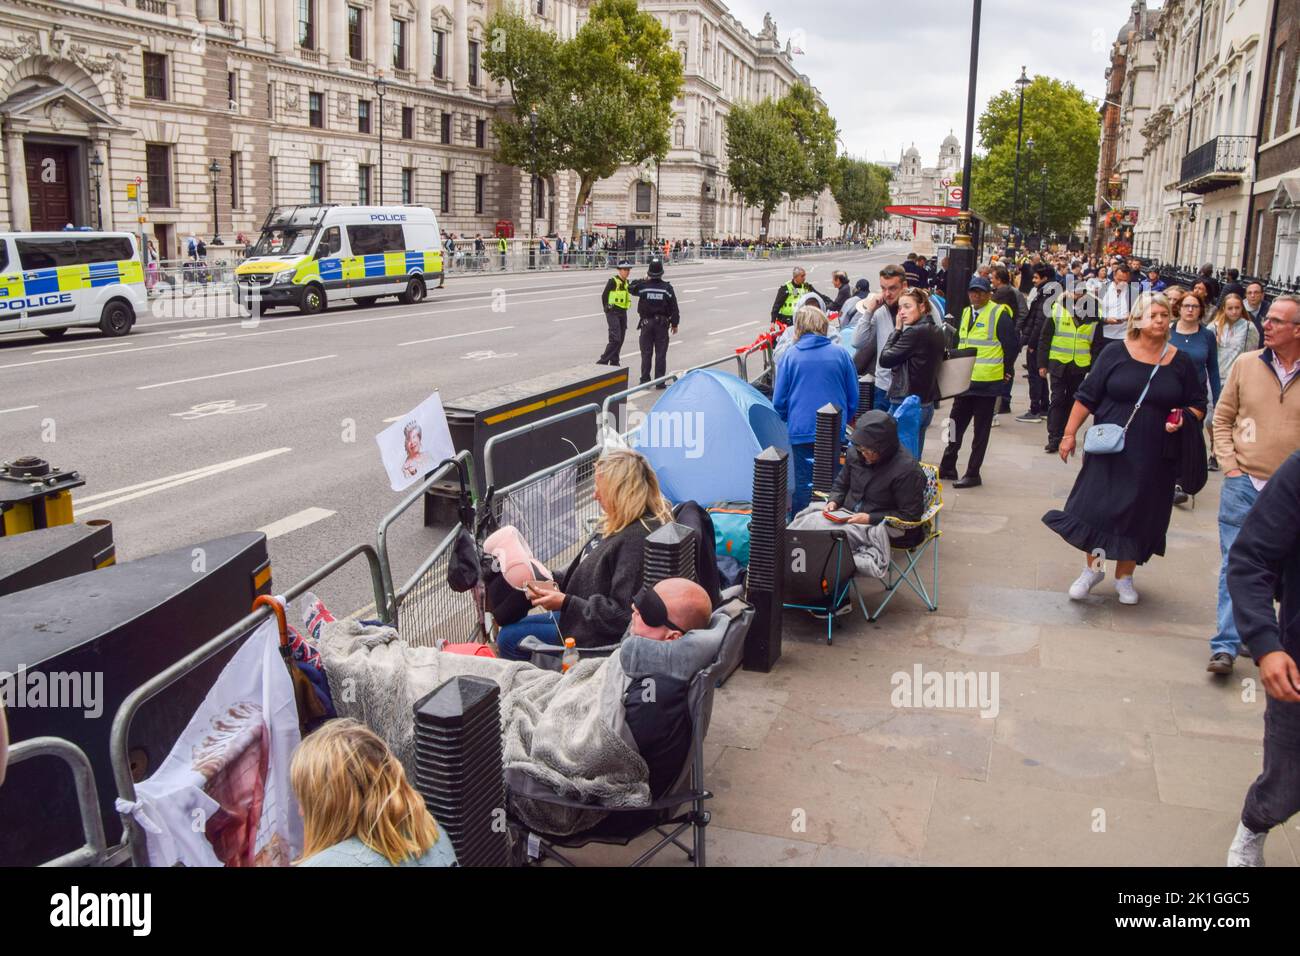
1119,507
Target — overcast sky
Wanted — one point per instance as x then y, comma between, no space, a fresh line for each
896,73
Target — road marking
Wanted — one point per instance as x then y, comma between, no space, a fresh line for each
238,371
570,318
732,295
732,328
458,335
223,407
685,301
131,492
20,408
295,521
707,288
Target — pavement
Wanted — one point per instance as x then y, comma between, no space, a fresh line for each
1110,744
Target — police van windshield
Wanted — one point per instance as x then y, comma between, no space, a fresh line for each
285,242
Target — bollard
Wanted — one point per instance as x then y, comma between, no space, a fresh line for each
826,452
866,393
669,553
458,767
766,582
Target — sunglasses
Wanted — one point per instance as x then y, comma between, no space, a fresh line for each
652,609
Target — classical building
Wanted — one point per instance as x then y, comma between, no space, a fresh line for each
1130,92
915,185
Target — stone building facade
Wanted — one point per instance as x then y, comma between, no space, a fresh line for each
1123,188
917,185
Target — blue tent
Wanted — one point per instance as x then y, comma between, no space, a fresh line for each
702,436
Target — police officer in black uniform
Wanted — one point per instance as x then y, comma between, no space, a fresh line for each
615,300
657,308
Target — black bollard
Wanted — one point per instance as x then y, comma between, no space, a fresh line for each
766,581
669,553
458,769
826,452
866,394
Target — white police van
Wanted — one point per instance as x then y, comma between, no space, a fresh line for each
50,281
312,257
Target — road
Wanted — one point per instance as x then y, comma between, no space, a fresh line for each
192,428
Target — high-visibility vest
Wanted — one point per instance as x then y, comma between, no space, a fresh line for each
501,244
792,294
1071,344
619,297
982,336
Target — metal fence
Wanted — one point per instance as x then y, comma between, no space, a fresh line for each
94,852
187,274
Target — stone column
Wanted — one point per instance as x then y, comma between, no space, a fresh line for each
423,41
383,21
286,27
187,9
460,46
20,214
207,10
250,20
336,25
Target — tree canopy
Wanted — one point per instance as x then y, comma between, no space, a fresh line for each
862,192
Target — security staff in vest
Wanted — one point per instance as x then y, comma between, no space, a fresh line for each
789,295
1069,343
615,301
657,308
502,247
990,329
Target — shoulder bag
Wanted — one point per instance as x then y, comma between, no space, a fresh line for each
1109,439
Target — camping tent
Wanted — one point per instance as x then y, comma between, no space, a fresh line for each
703,434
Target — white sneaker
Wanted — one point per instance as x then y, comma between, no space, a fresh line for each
1127,592
995,421
1085,582
1247,847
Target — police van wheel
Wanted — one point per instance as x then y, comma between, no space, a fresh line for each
313,300
54,333
414,293
116,319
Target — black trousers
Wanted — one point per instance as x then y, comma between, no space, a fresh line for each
654,344
1038,399
964,408
1275,795
617,321
1064,384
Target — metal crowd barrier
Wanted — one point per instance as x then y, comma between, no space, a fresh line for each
555,509
94,852
489,475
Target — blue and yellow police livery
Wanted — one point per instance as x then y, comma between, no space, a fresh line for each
315,256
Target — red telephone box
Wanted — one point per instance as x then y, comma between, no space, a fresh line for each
505,229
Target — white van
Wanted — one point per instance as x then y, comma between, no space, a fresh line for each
50,281
315,256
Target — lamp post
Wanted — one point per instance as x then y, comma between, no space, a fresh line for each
1022,82
961,259
380,88
214,169
532,185
97,170
1042,205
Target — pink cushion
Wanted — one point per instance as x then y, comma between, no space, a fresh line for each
514,557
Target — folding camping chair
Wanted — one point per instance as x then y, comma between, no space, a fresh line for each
680,809
927,528
820,573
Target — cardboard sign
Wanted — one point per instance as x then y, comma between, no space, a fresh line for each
414,444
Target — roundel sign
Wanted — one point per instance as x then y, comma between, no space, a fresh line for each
954,195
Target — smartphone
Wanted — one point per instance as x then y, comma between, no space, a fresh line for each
839,517
1175,417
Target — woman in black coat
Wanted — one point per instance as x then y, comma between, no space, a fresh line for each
1120,505
914,350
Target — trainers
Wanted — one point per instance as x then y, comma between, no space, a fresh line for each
995,421
1220,663
1029,417
1084,583
1214,464
846,608
1247,847
1127,592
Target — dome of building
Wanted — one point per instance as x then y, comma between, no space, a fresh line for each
950,141
913,152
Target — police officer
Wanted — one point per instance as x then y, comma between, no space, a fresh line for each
657,308
789,295
1071,339
615,301
990,329
502,246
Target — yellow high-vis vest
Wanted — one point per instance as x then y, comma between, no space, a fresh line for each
619,297
982,336
1071,343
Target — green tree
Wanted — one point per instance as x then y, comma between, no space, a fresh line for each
781,148
603,99
1065,127
862,192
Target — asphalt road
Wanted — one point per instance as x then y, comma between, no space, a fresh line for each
192,428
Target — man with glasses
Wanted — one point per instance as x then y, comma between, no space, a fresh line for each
1257,305
1256,426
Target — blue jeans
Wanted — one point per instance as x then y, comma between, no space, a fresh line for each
803,476
545,627
1235,501
879,398
927,415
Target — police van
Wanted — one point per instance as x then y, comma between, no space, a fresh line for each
312,257
51,281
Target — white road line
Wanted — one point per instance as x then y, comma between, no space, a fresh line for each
732,328
685,301
295,521
20,408
238,371
458,335
130,493
707,288
570,318
732,295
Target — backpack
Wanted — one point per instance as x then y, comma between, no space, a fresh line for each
731,529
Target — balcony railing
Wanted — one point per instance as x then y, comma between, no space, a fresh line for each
309,55
1221,162
152,6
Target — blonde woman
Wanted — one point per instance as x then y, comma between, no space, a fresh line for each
357,807
592,601
1120,505
1234,335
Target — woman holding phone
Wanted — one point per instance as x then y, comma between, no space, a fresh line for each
592,601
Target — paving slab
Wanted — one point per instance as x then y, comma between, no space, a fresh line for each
1206,773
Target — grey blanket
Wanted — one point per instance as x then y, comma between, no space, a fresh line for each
870,542
565,731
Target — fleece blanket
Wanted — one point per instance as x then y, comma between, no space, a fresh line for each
566,731
870,542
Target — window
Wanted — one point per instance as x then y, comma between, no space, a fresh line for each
642,197
270,100
232,90
331,242
408,186
539,197
46,253
363,116
372,240
444,193
158,167
4,256
479,183
541,8
1277,93
1245,101
363,185
316,110
155,76
439,38
399,44
408,122
223,11
307,24
356,39
234,181
473,63
480,133
316,183
446,127
273,175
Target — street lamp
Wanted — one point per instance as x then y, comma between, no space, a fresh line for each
1022,82
380,87
961,258
214,168
1042,203
97,170
532,186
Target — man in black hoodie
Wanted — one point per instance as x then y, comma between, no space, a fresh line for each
880,478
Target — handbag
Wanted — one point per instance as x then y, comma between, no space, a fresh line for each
955,372
1109,439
